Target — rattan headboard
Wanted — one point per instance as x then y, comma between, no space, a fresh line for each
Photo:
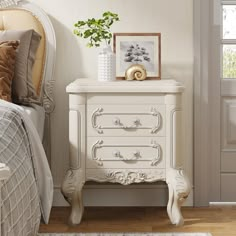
22,19
27,15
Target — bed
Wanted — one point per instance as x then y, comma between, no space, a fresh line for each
36,114
26,187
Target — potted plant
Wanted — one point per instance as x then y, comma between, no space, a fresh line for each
97,31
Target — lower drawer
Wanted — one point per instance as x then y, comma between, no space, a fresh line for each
125,152
126,176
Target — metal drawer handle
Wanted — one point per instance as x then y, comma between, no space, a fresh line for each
136,156
136,123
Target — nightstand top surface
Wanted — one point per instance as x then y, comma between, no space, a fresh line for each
93,86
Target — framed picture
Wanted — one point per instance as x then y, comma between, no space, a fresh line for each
138,48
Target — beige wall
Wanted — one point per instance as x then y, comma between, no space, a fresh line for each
172,18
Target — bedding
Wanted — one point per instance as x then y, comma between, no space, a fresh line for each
29,189
23,91
7,65
37,115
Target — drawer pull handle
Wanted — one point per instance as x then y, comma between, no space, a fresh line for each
136,124
136,156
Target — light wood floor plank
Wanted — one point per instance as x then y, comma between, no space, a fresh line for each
218,221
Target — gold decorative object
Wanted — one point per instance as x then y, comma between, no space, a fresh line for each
136,71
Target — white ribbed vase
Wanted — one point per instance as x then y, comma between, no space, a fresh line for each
106,65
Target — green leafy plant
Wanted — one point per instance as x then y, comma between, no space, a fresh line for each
96,30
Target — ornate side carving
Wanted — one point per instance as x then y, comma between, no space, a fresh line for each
97,145
119,125
117,153
154,112
179,189
96,113
72,192
48,102
157,158
172,137
126,177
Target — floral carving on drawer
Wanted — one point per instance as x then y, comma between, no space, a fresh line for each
127,152
119,120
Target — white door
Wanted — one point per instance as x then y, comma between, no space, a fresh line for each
215,102
228,102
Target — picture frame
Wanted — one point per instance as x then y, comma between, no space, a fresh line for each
138,48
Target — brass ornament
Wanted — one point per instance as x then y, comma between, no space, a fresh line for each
136,71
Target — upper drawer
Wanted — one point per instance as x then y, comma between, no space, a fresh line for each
126,120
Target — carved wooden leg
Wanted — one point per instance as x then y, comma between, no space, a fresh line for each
179,189
72,191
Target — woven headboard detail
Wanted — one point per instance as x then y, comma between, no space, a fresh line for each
21,19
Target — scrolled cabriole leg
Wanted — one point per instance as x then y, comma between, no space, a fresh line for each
72,191
179,189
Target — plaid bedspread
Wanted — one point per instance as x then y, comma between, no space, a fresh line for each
20,205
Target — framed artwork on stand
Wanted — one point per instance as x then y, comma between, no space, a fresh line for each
138,48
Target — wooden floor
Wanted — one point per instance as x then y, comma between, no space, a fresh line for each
218,221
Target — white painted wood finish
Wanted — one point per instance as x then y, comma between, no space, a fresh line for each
125,152
120,120
123,86
228,146
215,110
228,123
227,117
125,139
206,103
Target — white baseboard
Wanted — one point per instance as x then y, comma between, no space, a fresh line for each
222,204
116,195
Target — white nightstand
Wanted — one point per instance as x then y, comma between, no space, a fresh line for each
125,132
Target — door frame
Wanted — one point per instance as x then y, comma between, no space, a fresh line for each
206,104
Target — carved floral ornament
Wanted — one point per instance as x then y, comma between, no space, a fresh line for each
7,3
126,177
